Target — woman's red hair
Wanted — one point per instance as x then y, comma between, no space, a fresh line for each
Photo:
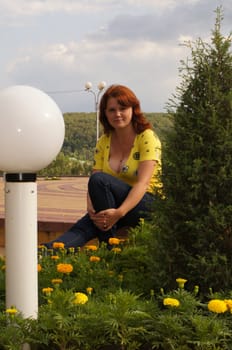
125,98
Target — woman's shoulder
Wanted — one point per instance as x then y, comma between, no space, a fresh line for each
148,134
104,139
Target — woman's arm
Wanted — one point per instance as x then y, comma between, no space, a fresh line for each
145,171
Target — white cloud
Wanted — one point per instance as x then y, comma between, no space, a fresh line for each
15,64
66,43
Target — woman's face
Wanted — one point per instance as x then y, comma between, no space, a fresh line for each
117,115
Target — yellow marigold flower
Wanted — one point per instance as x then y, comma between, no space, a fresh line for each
12,311
196,290
47,290
71,250
114,241
94,258
3,267
58,245
57,281
171,302
217,306
116,250
111,273
42,247
181,282
141,220
55,257
39,267
229,304
91,247
64,268
89,290
80,298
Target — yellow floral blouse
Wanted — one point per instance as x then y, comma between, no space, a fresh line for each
146,146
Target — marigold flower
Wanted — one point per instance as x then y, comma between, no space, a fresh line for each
42,247
142,221
116,250
57,281
91,247
80,298
71,250
64,268
94,258
171,302
217,306
111,273
3,267
47,290
11,311
196,290
58,245
89,290
181,282
229,304
55,257
114,241
39,267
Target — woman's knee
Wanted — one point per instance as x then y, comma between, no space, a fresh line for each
97,178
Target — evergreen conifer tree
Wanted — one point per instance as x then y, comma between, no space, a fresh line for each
193,221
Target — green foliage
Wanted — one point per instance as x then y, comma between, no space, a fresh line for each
194,219
109,315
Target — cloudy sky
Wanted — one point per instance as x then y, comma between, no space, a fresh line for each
59,45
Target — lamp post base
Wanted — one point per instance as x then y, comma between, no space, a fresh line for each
21,243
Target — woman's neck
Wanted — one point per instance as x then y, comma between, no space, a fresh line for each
124,134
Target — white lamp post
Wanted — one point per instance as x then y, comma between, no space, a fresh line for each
31,135
101,86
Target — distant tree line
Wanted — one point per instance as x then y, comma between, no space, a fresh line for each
76,155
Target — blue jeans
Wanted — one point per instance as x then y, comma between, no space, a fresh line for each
105,192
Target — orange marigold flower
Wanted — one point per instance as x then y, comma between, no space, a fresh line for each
116,250
55,257
114,241
171,302
217,306
89,290
94,258
39,267
58,245
64,268
47,290
91,247
57,281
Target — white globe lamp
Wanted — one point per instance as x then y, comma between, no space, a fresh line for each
31,135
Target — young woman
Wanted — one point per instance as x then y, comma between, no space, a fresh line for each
125,171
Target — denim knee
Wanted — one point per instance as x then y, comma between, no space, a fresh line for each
98,179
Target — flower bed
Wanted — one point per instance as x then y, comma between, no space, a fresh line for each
100,299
